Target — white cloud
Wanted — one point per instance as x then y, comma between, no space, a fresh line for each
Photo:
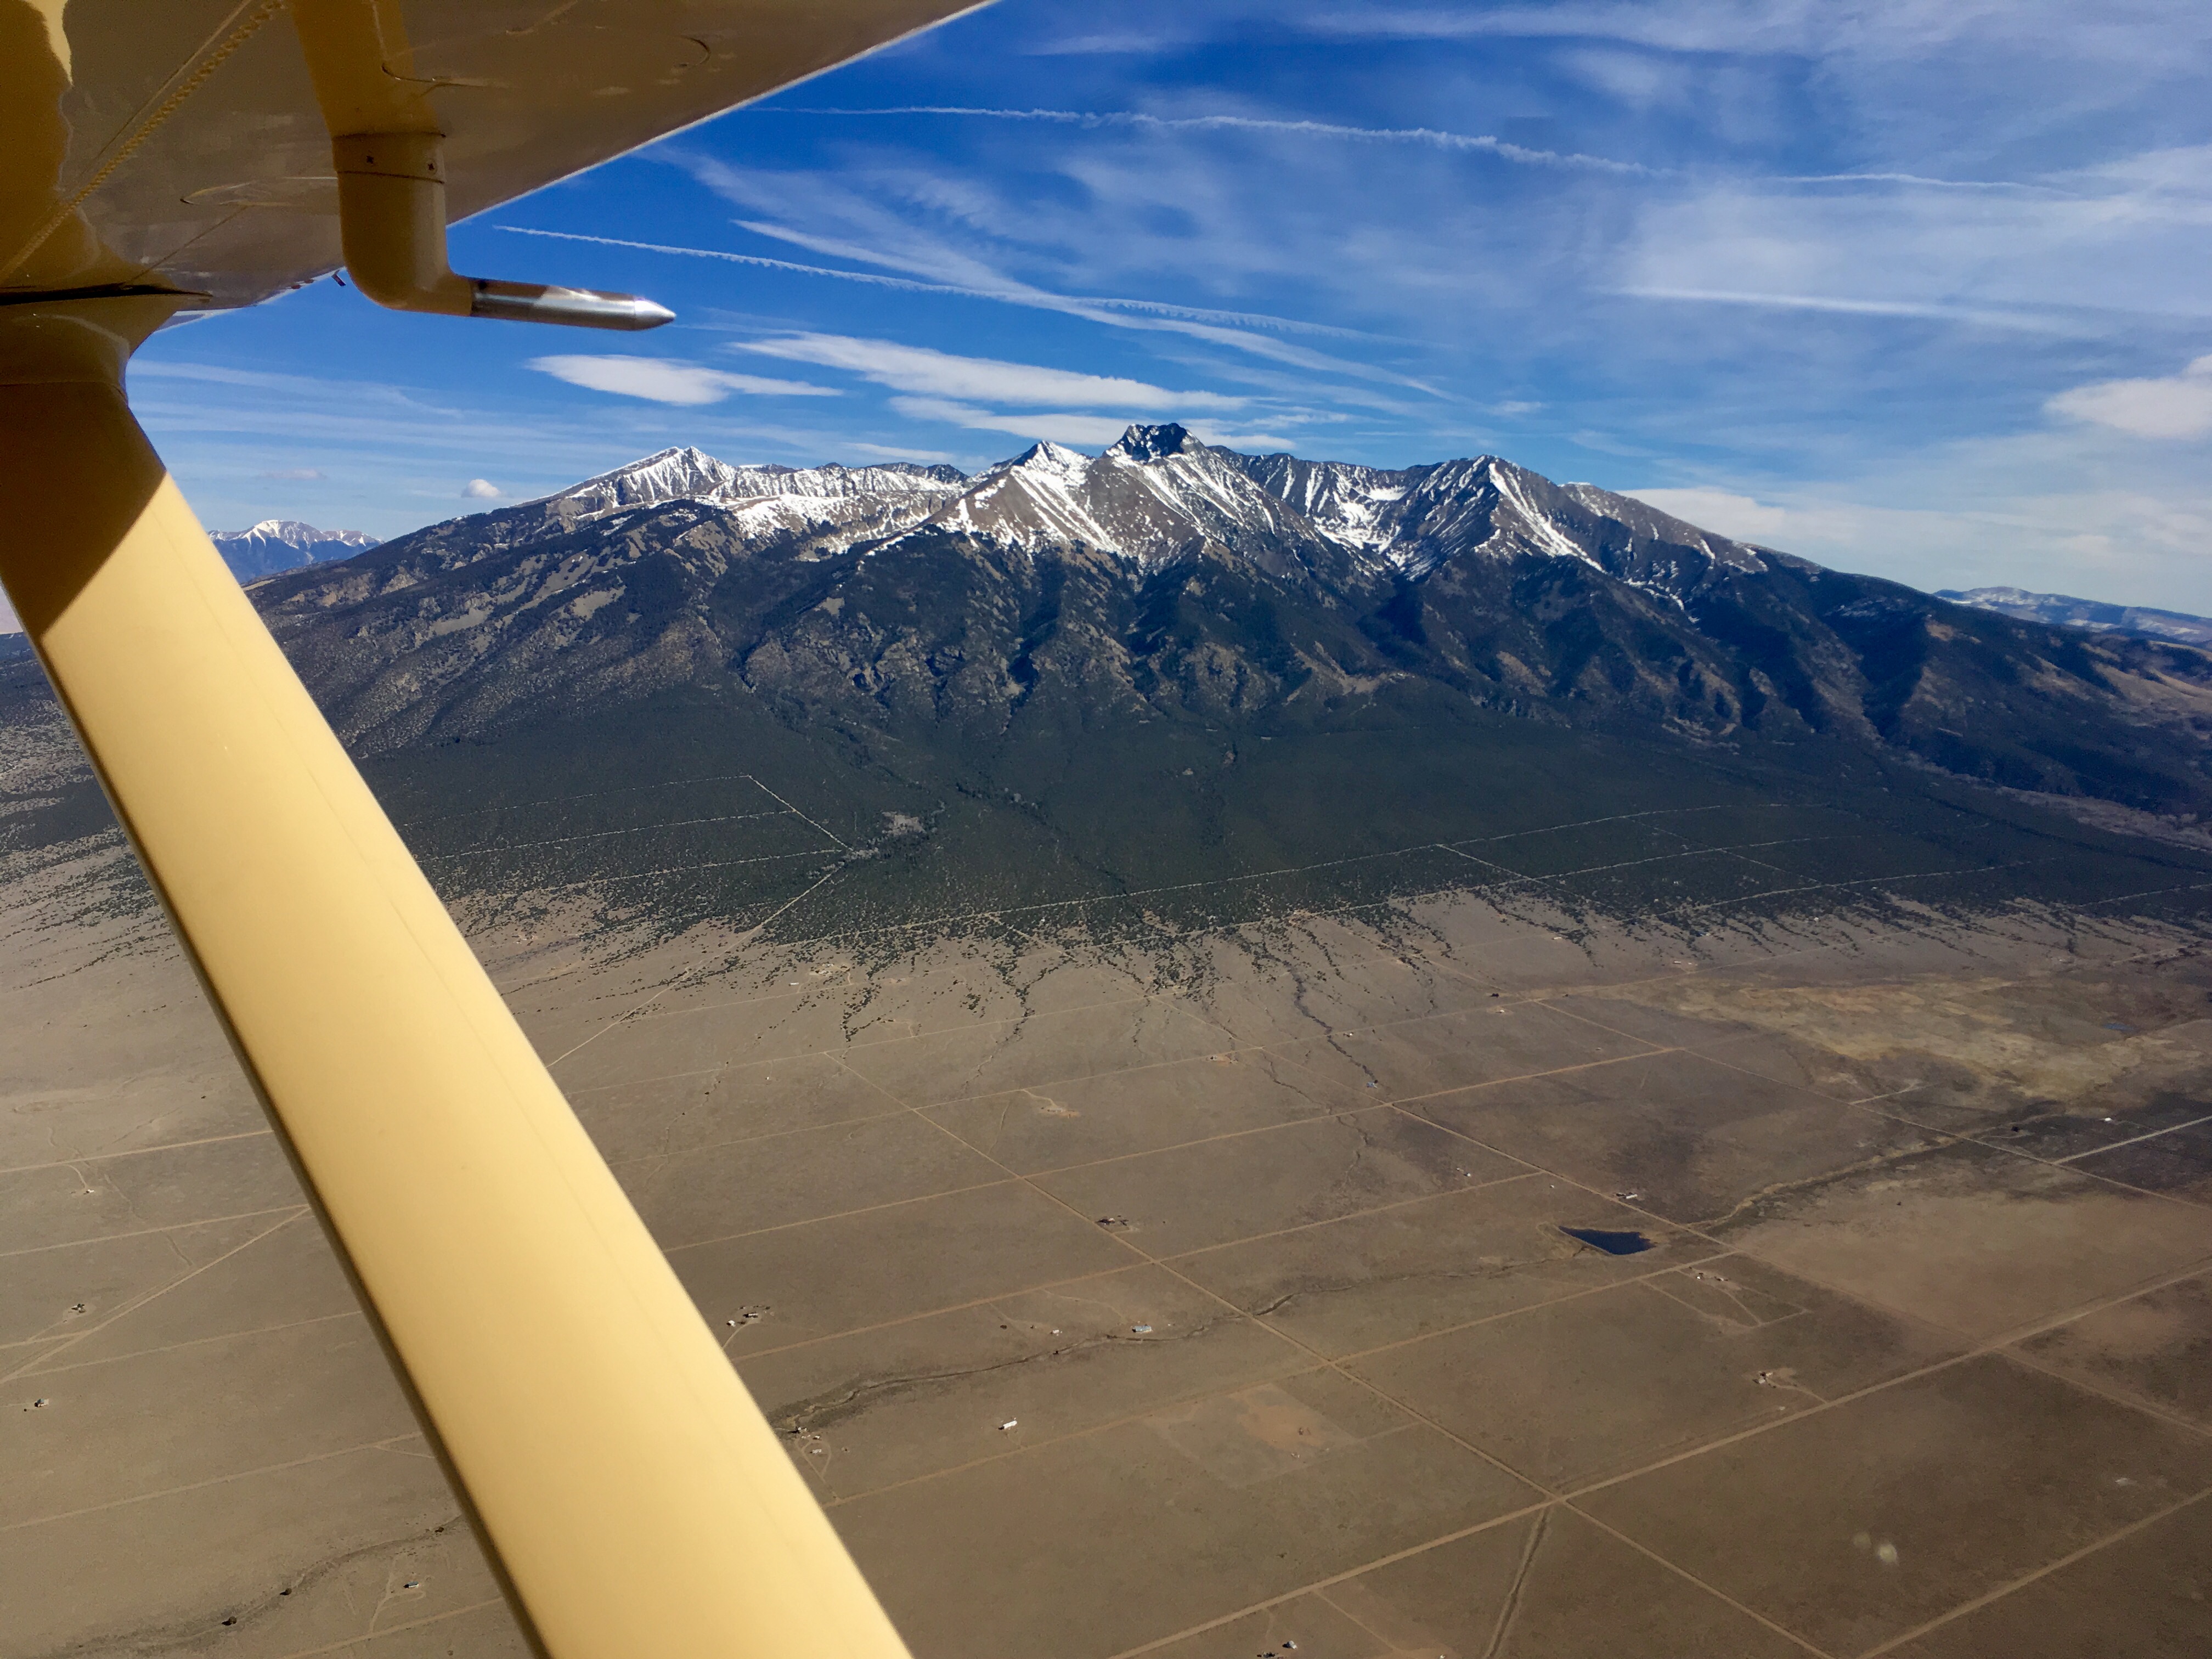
9,623
1727,26
875,233
664,381
481,489
1873,29
1061,427
1742,517
938,373
1144,45
2075,509
1431,138
297,474
2070,252
891,453
2174,406
2035,322
1015,295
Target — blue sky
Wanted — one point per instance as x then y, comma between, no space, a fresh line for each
1912,287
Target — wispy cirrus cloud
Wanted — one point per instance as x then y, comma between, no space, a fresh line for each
1235,331
665,380
1010,295
1462,143
1131,43
1809,29
1122,315
2043,322
1422,138
2073,252
835,217
922,370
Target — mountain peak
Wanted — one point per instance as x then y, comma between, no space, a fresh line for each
1154,443
666,475
677,461
292,532
1055,460
276,544
689,454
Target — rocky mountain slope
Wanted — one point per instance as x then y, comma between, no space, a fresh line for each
2063,611
1169,580
276,544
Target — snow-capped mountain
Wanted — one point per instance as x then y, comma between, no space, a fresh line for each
1414,518
2067,612
1158,493
276,544
839,503
691,475
1168,579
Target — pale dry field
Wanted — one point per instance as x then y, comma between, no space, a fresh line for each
1207,1294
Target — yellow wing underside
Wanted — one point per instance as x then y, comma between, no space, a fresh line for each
159,157
181,144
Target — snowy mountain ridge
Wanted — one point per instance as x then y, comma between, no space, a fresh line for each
292,532
840,505
686,473
1159,492
276,544
2065,610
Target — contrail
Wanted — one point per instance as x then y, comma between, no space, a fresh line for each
1021,296
1430,136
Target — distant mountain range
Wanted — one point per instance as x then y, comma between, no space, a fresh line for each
2099,618
1169,578
276,544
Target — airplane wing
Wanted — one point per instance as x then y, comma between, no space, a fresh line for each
197,154
184,145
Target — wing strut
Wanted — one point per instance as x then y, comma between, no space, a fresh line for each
638,1502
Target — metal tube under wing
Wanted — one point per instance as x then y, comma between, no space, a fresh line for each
638,1504
391,215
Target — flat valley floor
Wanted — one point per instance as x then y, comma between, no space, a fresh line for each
1414,1279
